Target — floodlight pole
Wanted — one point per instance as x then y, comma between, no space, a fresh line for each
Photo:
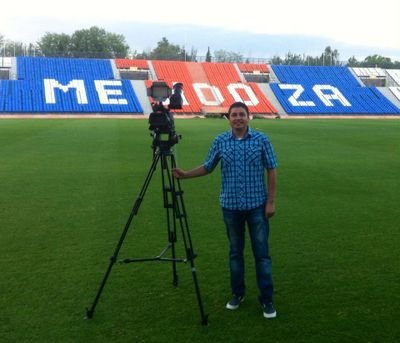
176,215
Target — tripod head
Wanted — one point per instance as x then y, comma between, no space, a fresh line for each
164,141
161,120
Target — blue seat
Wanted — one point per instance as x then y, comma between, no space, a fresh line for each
363,100
27,94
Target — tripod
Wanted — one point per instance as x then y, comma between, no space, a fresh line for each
176,215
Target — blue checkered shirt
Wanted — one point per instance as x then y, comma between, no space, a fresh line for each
243,164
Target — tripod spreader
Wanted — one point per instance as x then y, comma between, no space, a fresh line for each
160,257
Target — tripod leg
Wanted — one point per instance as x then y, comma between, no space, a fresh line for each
204,317
134,211
180,214
169,205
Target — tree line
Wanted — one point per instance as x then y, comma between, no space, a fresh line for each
96,42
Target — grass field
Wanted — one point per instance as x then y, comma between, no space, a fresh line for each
67,188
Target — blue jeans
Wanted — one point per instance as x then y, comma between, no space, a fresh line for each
258,226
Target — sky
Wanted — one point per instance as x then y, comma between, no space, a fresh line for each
355,27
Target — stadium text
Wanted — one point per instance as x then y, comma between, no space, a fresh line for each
103,93
326,93
109,92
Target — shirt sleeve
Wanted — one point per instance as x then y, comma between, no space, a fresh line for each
213,157
269,157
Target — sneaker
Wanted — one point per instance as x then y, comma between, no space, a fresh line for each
268,310
234,303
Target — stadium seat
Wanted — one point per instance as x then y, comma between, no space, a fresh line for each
327,90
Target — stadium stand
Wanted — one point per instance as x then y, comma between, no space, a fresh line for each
225,77
5,62
396,92
67,85
80,86
133,69
371,76
5,66
123,63
4,73
254,68
327,90
369,72
211,87
394,76
254,72
177,71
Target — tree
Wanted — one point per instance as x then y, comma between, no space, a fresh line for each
116,45
9,48
228,56
329,57
96,42
166,51
192,56
208,55
90,43
374,61
290,59
276,60
13,48
293,59
55,45
352,62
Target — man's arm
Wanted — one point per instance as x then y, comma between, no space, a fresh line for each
196,172
271,183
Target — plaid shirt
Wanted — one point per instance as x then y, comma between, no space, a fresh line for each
243,164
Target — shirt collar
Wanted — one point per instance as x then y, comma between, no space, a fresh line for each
248,134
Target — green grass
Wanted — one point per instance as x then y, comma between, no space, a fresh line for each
67,188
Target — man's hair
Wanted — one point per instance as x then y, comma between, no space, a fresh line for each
238,104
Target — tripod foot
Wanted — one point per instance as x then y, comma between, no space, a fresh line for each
89,314
204,320
175,281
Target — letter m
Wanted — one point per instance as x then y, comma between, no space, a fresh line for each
50,85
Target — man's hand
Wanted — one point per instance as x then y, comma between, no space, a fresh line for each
178,173
270,209
271,182
183,174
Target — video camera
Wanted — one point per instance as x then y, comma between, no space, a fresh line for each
161,120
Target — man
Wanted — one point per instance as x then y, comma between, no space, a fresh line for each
246,157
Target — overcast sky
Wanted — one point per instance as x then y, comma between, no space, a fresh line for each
365,25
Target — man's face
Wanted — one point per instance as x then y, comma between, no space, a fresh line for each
238,118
